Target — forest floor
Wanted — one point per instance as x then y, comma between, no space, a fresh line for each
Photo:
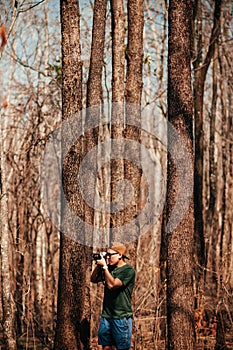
203,343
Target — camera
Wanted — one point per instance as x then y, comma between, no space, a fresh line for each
97,256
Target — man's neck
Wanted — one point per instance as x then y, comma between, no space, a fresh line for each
120,263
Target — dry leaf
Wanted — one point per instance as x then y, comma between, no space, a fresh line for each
3,35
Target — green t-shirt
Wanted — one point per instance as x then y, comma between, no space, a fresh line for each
117,302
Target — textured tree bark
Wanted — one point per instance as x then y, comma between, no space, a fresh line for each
118,51
198,110
226,264
212,213
8,306
93,103
201,66
73,318
223,324
117,116
134,53
6,277
180,296
94,84
134,85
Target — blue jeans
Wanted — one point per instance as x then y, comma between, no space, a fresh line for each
117,332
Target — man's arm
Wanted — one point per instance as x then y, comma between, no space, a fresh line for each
96,275
112,282
109,279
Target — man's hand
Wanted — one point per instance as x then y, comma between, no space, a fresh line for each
102,262
109,279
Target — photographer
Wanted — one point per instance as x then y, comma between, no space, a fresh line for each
115,327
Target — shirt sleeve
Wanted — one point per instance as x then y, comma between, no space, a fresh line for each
127,275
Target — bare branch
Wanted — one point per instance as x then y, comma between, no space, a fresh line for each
31,7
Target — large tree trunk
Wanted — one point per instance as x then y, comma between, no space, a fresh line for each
180,226
73,319
94,84
117,117
134,52
121,125
134,85
93,104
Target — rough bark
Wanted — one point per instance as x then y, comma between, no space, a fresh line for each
94,99
134,52
201,66
117,118
180,296
94,84
73,319
225,258
134,56
6,276
224,325
8,304
212,227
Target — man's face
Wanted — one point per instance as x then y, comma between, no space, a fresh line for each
113,256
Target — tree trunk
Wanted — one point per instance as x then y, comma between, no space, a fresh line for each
180,296
134,52
212,228
8,305
73,319
117,118
6,276
200,70
94,99
94,84
134,84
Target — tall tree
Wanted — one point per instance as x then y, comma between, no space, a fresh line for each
6,276
75,259
73,318
94,98
134,52
180,296
201,65
124,117
134,56
94,84
117,117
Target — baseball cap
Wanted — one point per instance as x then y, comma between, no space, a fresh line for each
119,248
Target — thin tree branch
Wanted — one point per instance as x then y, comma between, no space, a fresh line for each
31,7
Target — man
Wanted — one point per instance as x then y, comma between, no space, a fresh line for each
115,327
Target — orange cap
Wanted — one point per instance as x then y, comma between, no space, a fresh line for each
118,247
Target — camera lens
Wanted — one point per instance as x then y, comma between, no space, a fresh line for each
96,256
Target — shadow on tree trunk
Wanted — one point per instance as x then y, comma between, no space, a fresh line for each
85,333
223,326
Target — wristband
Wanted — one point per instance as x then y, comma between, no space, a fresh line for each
105,267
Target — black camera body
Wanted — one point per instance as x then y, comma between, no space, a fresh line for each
97,256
